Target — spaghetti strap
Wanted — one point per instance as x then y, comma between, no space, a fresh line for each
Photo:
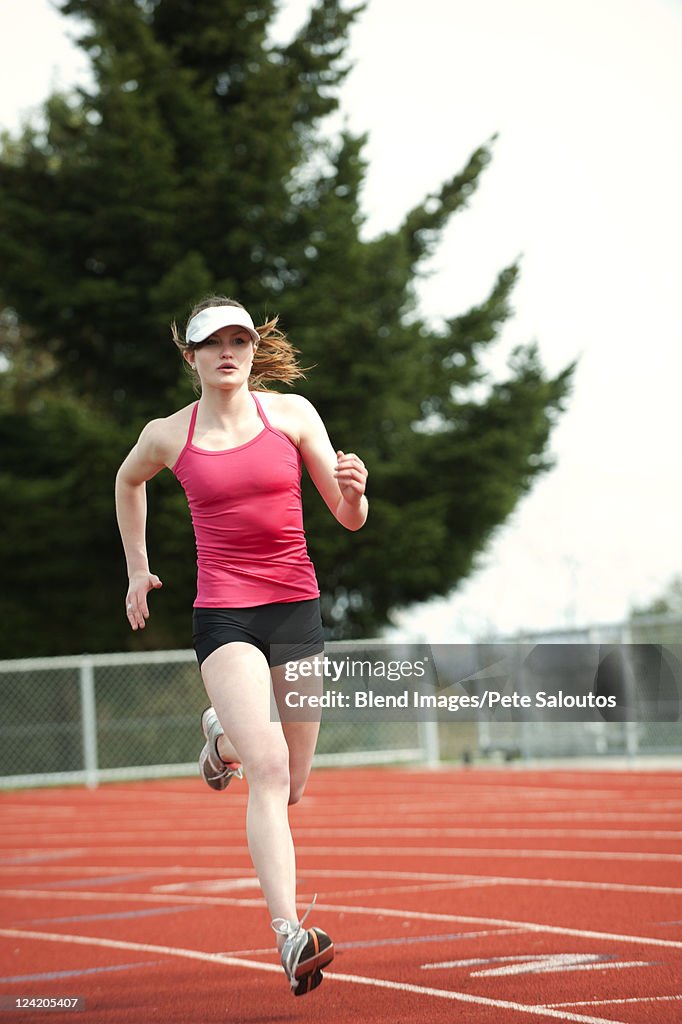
192,421
268,425
190,435
261,410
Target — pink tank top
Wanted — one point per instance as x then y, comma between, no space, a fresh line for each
248,520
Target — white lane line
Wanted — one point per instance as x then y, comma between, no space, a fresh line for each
419,802
481,881
402,941
232,961
497,832
377,832
434,786
466,997
209,885
335,908
610,1002
531,816
531,926
17,858
322,816
110,869
540,963
349,814
89,940
218,850
471,851
560,883
390,890
430,879
436,880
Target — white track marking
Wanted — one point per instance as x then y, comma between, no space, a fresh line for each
471,851
609,1002
530,926
537,963
111,823
122,896
406,940
223,885
415,815
391,890
110,869
378,832
334,908
435,789
17,858
431,879
482,881
525,833
231,961
559,883
466,997
434,880
418,852
360,817
87,940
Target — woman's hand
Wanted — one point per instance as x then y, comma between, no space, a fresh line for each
139,585
351,476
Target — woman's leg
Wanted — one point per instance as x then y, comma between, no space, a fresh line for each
300,726
237,680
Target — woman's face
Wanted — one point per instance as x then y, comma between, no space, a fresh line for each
224,359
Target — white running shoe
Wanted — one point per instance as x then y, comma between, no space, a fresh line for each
304,953
215,772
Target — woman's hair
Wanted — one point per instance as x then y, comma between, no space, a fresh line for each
274,359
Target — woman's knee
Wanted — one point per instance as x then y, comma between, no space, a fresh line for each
268,768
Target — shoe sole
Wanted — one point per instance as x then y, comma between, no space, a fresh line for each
317,953
223,782
308,983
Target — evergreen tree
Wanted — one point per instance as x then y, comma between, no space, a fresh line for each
196,164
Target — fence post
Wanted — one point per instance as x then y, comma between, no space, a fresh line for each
89,721
429,741
631,725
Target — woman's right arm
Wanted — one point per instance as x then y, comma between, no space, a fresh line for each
141,464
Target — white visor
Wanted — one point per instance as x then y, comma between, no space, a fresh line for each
210,320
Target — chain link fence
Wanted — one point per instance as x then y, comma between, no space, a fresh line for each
92,718
646,735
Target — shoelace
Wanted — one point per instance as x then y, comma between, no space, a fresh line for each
283,926
227,770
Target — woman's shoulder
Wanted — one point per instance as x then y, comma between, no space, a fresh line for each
285,403
292,414
166,425
166,435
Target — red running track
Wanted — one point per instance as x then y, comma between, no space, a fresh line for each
477,896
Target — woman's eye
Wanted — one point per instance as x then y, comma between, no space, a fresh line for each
218,341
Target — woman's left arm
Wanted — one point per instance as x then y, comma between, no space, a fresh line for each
340,477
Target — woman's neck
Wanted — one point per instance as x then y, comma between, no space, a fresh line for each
220,405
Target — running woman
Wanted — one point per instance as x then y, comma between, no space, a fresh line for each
237,453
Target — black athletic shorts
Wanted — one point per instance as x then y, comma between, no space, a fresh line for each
283,632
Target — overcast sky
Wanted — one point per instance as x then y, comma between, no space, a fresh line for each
585,185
